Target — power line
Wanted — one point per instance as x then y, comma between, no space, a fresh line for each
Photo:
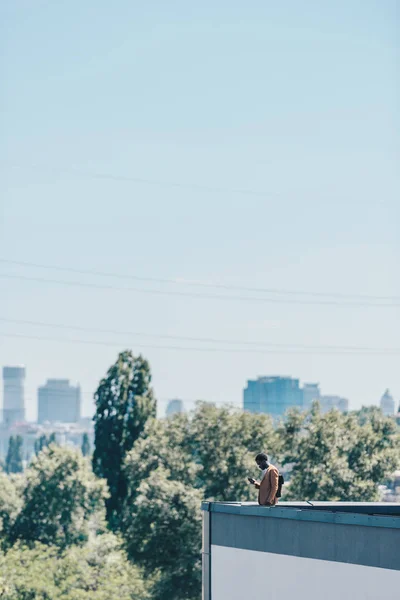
365,349
199,283
154,182
197,294
204,349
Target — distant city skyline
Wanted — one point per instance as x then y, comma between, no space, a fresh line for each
54,387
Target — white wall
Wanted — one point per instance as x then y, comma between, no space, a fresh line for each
248,575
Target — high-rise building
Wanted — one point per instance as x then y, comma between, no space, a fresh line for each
14,395
311,393
387,404
58,401
174,407
275,395
272,395
329,402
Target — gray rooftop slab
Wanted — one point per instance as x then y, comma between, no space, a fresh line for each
370,514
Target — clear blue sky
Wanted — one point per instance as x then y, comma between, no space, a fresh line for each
297,101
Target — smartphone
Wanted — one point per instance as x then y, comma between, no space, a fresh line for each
251,480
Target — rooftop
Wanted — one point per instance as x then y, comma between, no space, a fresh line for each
374,514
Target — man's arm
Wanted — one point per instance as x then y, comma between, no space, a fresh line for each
257,485
274,485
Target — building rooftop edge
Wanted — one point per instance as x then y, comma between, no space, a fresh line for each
369,514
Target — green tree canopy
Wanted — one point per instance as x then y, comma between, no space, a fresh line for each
60,497
171,467
163,534
43,441
98,571
212,449
165,445
124,402
225,442
338,457
10,505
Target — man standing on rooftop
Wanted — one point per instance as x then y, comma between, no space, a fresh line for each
268,486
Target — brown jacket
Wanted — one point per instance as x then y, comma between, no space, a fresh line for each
268,487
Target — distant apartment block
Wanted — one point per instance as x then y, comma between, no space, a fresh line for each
174,407
67,434
275,395
59,402
329,402
387,404
13,395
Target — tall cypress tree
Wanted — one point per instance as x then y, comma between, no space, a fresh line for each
18,454
43,442
10,455
14,458
85,447
124,402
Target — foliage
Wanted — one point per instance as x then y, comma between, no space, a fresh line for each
225,442
14,455
98,571
165,445
85,448
171,467
43,441
338,457
163,533
124,402
213,449
10,505
60,496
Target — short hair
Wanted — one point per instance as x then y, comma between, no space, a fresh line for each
261,457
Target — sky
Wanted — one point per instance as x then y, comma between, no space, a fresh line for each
249,145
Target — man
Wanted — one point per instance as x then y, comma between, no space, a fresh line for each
268,486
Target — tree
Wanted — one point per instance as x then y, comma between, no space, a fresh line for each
165,445
163,534
124,402
212,449
43,441
10,455
225,442
10,505
40,443
14,455
336,457
85,444
173,465
366,414
98,571
61,498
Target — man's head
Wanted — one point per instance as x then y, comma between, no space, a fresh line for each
262,461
